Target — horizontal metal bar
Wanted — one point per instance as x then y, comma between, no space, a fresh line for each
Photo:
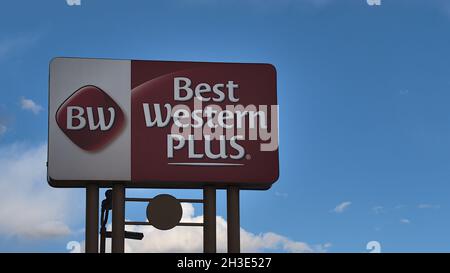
190,200
128,235
190,224
137,199
137,223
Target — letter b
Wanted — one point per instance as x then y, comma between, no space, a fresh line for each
177,88
78,116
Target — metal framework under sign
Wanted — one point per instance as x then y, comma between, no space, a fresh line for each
162,205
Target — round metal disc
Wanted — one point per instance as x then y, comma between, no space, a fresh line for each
164,212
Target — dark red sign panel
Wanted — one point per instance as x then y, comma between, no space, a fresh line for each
180,124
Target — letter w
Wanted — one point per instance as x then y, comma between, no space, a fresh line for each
101,119
158,120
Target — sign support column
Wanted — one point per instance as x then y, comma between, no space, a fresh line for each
209,220
91,218
118,219
233,222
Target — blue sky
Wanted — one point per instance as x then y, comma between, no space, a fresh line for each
364,117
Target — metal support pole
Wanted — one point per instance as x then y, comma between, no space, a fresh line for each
118,219
233,228
209,220
91,218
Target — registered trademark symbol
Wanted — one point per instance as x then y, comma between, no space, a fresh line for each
248,156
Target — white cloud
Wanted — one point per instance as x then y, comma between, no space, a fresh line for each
11,44
428,206
378,209
50,229
405,221
3,129
30,105
73,2
190,239
29,207
281,194
342,207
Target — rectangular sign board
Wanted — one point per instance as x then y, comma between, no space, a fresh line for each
161,124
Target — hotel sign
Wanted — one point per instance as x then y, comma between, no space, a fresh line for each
162,124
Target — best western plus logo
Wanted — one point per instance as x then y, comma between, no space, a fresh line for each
90,118
162,124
